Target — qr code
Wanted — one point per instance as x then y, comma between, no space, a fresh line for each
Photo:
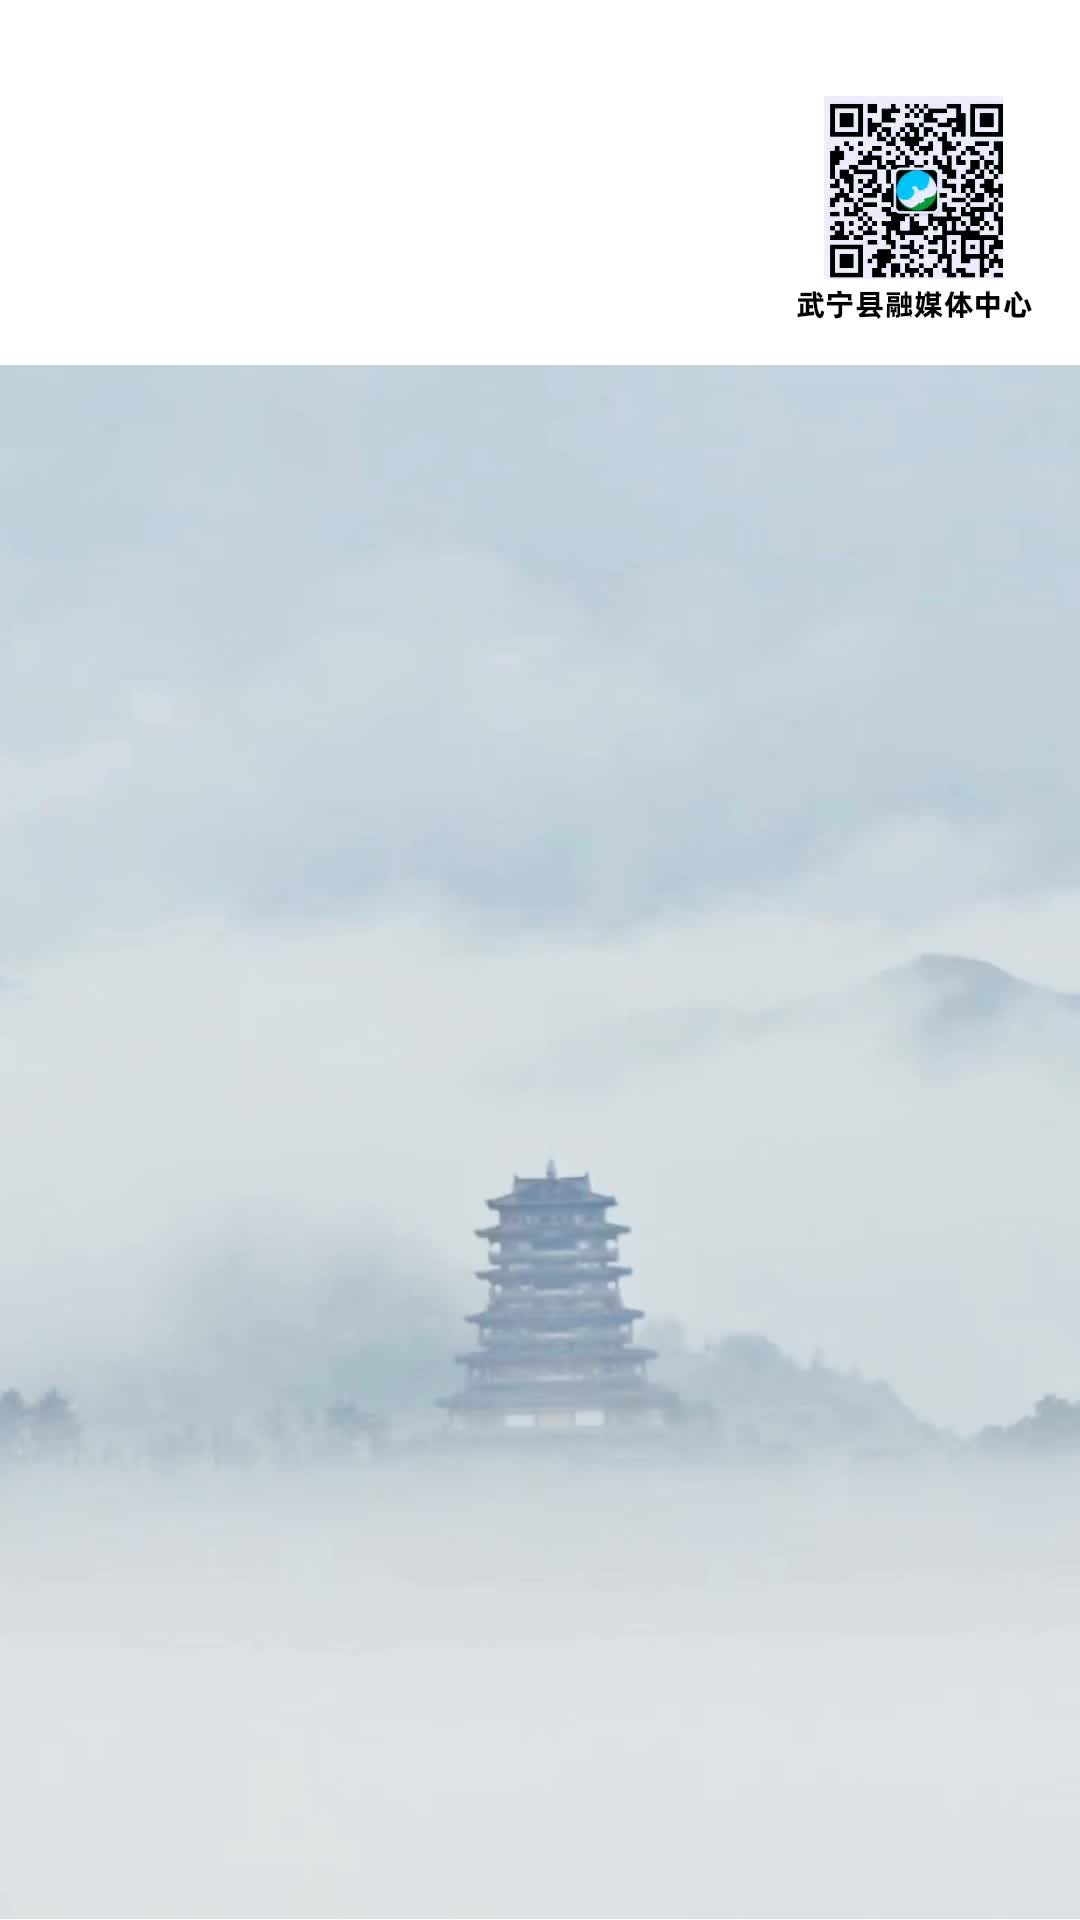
914,189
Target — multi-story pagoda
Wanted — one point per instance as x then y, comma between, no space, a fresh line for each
555,1342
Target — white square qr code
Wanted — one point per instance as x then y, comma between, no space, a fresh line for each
914,189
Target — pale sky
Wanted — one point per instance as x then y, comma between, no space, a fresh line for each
362,734
551,645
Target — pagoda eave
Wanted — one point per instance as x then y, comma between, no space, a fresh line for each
637,1394
542,1321
498,1229
512,1203
558,1351
551,1274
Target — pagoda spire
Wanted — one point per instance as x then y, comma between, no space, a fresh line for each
549,1171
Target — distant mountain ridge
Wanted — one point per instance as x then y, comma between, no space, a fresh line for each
951,970
950,987
976,985
941,999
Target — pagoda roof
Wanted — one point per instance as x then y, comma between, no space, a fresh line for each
556,1274
559,1347
529,1316
553,1189
504,1229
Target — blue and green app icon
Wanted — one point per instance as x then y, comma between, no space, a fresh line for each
916,191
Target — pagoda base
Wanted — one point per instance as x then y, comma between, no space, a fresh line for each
512,1423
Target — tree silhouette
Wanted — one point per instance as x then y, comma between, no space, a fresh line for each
1053,1426
53,1430
347,1425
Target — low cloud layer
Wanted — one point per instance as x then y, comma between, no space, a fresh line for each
214,1121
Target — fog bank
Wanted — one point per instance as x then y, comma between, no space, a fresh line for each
544,1692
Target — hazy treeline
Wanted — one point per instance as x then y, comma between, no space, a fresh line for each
1053,1427
49,1429
740,1396
753,1397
